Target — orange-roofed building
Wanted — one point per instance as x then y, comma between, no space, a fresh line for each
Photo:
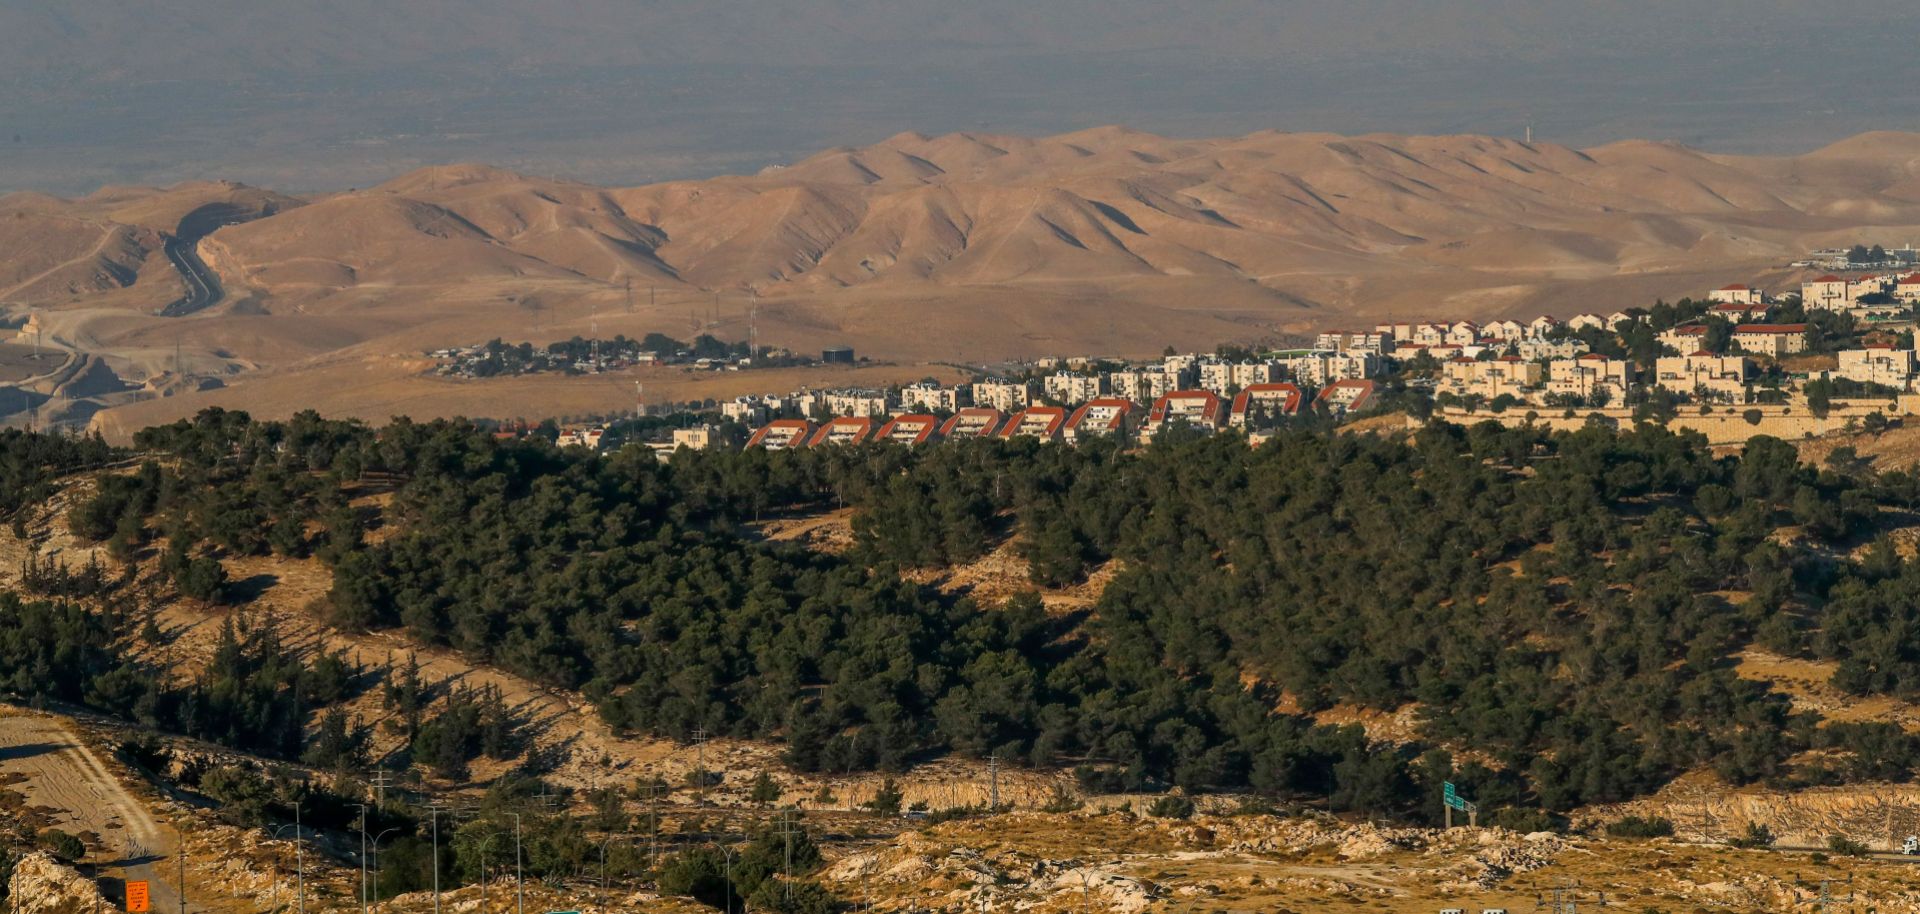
913,428
1201,409
1108,416
843,430
1346,396
781,434
1272,399
973,422
1043,422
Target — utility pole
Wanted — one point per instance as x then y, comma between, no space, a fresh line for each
299,862
519,875
789,829
381,778
993,782
700,763
434,812
363,856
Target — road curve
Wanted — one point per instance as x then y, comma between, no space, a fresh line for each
62,774
202,284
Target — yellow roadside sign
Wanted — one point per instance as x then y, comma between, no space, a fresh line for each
138,901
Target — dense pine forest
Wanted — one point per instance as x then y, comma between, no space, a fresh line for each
1567,607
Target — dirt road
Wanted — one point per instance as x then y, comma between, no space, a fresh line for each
64,776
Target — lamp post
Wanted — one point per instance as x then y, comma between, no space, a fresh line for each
519,875
363,856
376,851
276,860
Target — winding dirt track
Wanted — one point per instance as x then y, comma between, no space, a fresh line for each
65,777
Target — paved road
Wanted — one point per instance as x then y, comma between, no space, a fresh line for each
203,285
63,775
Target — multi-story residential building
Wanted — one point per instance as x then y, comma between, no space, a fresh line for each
1907,290
1589,375
1741,312
1771,339
1281,399
1345,396
973,422
1463,333
698,437
1737,293
871,403
1878,364
933,398
1684,338
749,411
1006,396
781,434
1536,348
1106,416
1141,385
1506,331
914,428
1720,377
843,430
1617,318
1317,368
1198,408
1540,326
1511,375
1072,389
1041,422
1584,321
1828,293
1859,289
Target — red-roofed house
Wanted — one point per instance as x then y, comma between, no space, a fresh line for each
1771,339
1345,396
913,428
1041,422
1271,399
1908,289
1828,293
1588,375
1684,338
1741,312
1199,408
1736,293
781,434
973,422
1109,416
843,430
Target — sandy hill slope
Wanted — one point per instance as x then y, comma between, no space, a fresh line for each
967,246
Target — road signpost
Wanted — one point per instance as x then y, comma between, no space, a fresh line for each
139,900
1452,800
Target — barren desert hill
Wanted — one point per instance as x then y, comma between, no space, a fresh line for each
1105,207
963,247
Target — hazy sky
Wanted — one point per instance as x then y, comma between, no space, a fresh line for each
311,95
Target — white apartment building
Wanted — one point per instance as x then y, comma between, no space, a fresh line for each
1073,389
1537,348
1490,379
1877,365
1828,293
857,403
1006,396
1540,326
1771,339
1722,377
933,398
748,411
1320,368
1589,374
1736,294
1583,321
1506,331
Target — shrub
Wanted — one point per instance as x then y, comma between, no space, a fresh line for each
1756,836
1638,827
1171,807
1846,847
60,844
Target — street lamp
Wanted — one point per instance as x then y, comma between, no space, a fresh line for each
276,860
376,851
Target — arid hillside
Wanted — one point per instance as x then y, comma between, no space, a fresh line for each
958,248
